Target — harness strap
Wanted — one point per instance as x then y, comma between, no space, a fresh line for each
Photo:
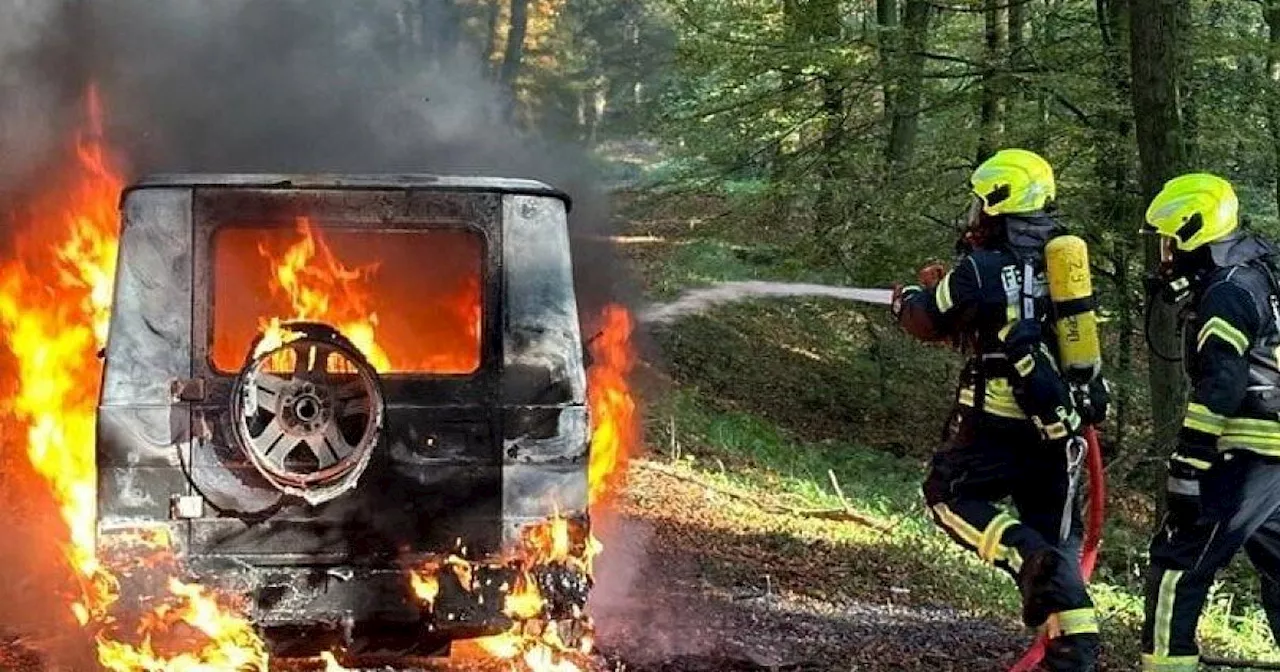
1073,307
1273,296
1028,292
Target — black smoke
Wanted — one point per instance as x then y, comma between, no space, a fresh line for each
280,86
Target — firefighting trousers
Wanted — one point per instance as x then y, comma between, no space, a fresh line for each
1240,500
986,460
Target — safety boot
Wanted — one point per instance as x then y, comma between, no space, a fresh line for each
1073,642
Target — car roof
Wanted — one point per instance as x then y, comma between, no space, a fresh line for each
371,181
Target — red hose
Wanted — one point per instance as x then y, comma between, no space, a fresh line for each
1092,536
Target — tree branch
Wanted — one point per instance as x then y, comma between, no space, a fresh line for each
741,104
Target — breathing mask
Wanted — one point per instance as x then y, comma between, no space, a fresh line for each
1176,275
976,228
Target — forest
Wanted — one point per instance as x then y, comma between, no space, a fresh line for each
778,154
843,133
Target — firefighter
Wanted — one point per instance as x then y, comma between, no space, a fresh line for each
1014,415
1223,485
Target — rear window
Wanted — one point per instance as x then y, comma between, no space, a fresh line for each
409,299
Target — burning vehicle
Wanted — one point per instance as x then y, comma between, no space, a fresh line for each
360,401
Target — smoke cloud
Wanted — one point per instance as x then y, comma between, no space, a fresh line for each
280,86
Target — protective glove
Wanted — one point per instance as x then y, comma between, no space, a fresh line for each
931,274
1170,288
1097,400
901,294
1182,489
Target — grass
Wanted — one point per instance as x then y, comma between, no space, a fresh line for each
768,396
754,455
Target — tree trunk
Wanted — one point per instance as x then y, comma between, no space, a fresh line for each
991,113
1189,104
1017,43
1017,21
1046,31
889,39
492,11
1114,170
1154,46
514,53
906,109
828,214
1272,15
819,22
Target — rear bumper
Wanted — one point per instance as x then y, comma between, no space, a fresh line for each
413,610
370,612
340,596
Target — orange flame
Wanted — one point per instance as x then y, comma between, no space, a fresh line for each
425,586
230,641
614,432
320,288
200,631
331,663
373,293
534,643
55,301
614,438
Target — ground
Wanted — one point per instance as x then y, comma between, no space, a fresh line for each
754,415
728,586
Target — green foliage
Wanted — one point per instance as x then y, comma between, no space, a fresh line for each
797,99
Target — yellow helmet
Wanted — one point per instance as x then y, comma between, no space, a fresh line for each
1012,181
1193,210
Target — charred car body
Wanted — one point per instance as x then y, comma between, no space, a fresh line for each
308,464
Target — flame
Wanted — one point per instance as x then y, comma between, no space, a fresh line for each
431,332
534,643
185,628
615,437
544,659
55,301
614,432
331,663
230,641
321,289
425,585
